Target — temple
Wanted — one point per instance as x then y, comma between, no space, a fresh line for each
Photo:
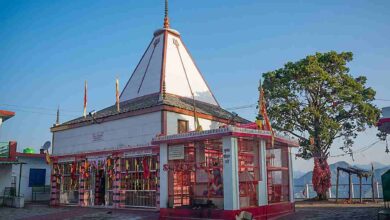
171,147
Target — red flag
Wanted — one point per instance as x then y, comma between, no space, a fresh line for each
146,168
85,99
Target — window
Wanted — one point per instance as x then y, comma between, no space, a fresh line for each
182,126
278,174
37,177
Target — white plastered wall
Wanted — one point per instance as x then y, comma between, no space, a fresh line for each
5,177
173,117
35,163
132,131
175,77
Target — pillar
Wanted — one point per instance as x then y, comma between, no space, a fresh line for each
163,189
262,186
290,177
54,186
83,194
231,194
117,182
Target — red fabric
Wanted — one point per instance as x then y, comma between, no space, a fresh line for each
146,168
382,121
251,125
73,171
321,176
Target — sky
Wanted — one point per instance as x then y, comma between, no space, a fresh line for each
49,48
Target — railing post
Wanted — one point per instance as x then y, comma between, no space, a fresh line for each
360,189
307,192
337,184
377,189
352,190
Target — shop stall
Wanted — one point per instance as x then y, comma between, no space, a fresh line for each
118,179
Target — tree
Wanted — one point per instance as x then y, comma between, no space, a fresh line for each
316,100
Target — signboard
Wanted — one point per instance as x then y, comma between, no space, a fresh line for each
97,158
97,136
176,152
66,159
138,152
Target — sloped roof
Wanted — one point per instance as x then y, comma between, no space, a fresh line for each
167,65
153,100
5,115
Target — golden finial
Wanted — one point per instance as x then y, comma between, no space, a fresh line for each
166,18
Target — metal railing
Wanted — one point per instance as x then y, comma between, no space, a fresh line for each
40,193
306,191
140,198
4,149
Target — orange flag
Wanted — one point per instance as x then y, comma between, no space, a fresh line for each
263,110
47,157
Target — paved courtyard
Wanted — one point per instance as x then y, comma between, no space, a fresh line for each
327,211
44,212
317,211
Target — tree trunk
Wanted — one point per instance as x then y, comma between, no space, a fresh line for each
321,177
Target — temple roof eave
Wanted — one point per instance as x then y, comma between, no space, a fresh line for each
221,132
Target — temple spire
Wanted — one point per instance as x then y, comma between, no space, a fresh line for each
166,18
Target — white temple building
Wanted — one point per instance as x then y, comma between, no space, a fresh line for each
171,147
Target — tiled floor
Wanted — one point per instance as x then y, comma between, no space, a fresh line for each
317,211
43,212
328,211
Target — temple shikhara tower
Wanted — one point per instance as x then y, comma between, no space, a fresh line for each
169,146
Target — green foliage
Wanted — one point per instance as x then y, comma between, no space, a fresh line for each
317,97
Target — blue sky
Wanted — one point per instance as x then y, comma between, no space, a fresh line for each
48,49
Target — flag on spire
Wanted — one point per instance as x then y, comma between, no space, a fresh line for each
117,95
260,116
85,99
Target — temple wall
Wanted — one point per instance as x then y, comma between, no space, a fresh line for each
172,125
132,131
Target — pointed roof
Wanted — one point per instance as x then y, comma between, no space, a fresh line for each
167,66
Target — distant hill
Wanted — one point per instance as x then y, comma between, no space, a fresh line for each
377,165
298,174
306,178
